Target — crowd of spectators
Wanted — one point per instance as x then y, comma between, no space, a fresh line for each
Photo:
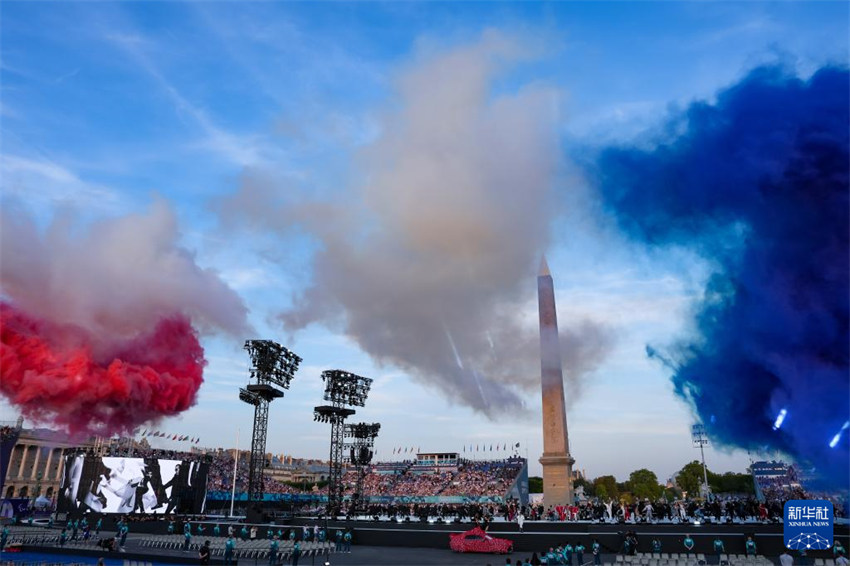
468,478
220,477
484,478
373,483
782,486
420,484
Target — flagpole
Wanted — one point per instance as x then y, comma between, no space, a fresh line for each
235,464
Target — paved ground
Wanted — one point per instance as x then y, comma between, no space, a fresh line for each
388,556
359,556
393,556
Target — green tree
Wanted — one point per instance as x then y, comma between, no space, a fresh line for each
601,492
730,482
535,484
643,484
610,485
690,478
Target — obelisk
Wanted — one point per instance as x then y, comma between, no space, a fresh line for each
556,460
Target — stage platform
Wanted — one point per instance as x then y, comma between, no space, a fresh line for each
539,535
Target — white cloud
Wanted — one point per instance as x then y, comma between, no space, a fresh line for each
242,150
44,181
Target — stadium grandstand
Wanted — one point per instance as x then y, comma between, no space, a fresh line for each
443,478
432,478
776,480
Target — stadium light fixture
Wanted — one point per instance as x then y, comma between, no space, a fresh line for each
249,397
331,414
346,388
362,430
271,362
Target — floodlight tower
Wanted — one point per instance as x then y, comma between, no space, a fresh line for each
341,388
360,454
700,439
272,365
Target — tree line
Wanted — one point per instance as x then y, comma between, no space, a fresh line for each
644,484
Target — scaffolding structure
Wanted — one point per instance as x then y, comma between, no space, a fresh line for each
342,389
272,367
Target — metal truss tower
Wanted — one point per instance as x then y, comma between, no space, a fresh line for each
272,365
360,455
341,388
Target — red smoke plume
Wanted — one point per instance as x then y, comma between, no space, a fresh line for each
64,374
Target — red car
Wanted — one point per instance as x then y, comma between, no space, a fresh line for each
476,540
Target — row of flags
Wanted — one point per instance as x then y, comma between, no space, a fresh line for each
177,437
472,448
483,447
405,451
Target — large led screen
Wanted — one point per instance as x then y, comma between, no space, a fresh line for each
132,485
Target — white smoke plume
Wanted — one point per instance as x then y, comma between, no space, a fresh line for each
114,278
429,263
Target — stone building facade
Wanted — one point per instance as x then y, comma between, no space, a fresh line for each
37,463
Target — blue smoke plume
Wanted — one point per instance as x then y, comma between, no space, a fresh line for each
758,183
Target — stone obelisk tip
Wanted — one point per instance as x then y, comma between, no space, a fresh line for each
544,268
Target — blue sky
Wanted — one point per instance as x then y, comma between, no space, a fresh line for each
106,106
